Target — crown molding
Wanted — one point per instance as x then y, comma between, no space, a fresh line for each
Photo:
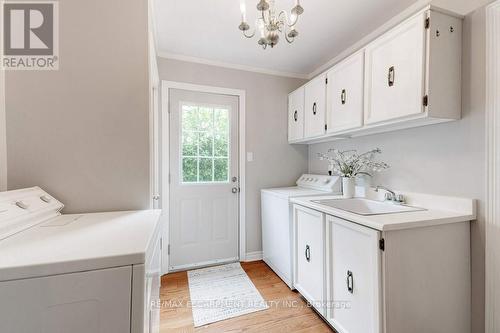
203,61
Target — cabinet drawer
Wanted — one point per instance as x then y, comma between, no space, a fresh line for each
296,115
345,94
395,72
353,277
309,255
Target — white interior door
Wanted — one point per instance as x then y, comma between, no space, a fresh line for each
204,179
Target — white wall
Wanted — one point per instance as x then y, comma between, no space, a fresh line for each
446,159
3,135
82,132
275,162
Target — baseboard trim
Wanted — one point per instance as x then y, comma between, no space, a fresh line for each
253,256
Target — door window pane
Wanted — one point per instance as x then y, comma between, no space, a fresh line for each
189,170
206,170
220,170
205,143
190,143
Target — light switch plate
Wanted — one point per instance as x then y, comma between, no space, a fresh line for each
249,156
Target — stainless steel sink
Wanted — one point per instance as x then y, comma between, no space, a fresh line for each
367,207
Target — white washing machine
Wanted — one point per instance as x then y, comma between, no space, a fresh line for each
277,220
76,273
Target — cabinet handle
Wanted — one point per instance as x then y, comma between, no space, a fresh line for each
308,253
350,282
295,116
314,108
343,96
391,76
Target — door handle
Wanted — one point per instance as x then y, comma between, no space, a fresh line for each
235,190
308,253
314,108
343,96
391,76
350,282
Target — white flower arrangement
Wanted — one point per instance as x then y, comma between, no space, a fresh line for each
349,164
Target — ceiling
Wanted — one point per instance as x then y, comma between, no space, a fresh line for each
208,30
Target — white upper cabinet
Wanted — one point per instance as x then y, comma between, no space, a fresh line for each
410,76
296,115
395,72
354,267
315,107
345,94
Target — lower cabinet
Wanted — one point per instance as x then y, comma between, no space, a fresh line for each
309,256
362,280
353,277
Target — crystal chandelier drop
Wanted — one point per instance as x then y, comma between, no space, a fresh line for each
270,23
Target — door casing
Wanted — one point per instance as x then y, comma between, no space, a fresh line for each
165,160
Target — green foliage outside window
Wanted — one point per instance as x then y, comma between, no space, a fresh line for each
205,144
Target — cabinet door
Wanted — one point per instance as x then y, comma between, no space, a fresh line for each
353,277
345,94
315,107
395,67
296,115
309,255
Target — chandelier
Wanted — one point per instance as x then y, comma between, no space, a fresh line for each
270,23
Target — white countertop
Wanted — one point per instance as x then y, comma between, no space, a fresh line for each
79,242
439,210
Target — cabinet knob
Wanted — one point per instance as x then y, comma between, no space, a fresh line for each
308,253
314,108
350,282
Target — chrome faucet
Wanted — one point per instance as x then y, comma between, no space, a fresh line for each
391,195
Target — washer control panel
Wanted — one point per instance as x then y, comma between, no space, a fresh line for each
320,182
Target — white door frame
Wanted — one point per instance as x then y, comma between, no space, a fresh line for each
493,165
165,160
3,135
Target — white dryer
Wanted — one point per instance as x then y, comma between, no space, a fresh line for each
76,273
277,228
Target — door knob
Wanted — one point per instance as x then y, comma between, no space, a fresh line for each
235,190
234,179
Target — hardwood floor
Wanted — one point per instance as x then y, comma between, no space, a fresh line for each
280,317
